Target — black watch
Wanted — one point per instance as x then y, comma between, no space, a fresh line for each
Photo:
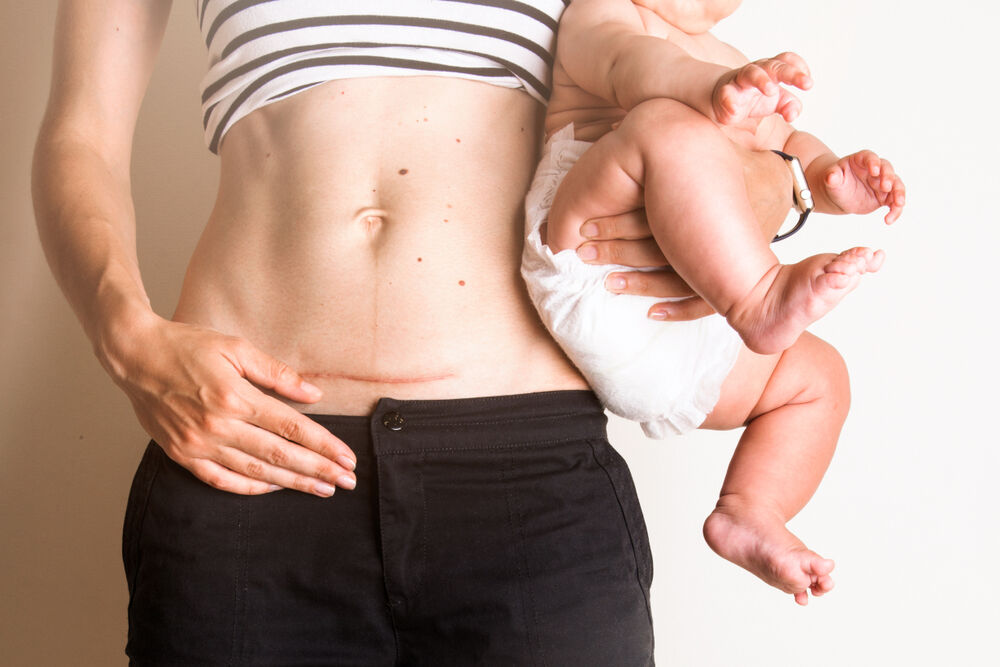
800,193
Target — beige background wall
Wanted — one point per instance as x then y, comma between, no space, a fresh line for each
909,509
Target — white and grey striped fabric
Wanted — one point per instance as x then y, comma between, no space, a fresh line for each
261,51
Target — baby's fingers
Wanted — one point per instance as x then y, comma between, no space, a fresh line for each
887,176
882,179
788,68
756,75
895,200
789,107
867,165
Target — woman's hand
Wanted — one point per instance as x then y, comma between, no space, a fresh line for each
626,239
198,394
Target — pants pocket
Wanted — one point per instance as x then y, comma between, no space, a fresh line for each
135,510
620,478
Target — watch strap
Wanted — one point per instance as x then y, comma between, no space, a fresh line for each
801,195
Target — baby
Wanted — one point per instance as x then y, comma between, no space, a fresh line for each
650,110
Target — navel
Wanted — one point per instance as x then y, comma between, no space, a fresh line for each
371,219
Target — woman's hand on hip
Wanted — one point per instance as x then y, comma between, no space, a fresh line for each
627,240
198,393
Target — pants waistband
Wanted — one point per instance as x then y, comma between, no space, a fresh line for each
490,422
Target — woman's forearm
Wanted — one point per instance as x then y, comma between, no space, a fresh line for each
102,60
86,224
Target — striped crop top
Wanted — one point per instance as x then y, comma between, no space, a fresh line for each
261,51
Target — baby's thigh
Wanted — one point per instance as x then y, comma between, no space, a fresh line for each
809,370
663,130
742,390
668,134
599,184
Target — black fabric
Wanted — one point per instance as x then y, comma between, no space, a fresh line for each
486,531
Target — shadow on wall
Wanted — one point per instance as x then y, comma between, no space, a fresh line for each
69,442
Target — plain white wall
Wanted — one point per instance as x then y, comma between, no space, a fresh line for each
907,510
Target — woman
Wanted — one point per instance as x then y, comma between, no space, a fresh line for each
364,244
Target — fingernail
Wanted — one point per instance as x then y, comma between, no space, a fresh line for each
324,490
659,314
275,487
347,481
587,252
310,387
347,462
589,230
615,282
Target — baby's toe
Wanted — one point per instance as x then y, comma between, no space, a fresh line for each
823,584
821,566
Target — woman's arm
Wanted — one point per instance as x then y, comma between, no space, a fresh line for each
189,386
103,59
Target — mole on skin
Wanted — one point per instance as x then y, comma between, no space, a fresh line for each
404,172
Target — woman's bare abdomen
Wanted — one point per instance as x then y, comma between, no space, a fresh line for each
368,233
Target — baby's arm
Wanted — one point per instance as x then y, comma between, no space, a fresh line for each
857,183
605,50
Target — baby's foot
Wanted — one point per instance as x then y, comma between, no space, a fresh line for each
790,297
760,543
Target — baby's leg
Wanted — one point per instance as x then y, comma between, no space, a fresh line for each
689,176
793,406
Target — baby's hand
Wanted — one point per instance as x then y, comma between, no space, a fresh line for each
862,182
754,90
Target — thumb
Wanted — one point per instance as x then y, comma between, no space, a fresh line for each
835,176
265,371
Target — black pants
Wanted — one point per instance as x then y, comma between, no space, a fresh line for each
490,531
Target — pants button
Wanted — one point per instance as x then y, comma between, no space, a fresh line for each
393,421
